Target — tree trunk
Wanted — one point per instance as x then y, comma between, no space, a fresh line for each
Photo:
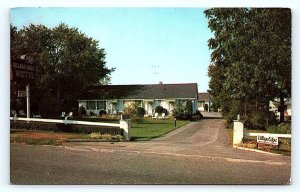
281,109
245,108
58,95
256,107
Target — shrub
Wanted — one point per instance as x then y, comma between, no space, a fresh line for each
179,112
159,109
95,135
232,114
282,128
165,111
130,110
106,136
117,137
81,111
197,116
189,108
102,112
183,112
271,118
140,112
198,113
258,122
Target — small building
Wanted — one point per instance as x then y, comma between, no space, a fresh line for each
115,98
204,101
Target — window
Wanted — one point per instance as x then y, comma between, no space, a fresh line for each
90,105
101,105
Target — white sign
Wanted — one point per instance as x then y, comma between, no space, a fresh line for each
21,93
272,140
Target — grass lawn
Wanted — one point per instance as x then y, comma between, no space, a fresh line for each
141,130
146,129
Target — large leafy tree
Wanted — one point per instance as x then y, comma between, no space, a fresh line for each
251,58
67,61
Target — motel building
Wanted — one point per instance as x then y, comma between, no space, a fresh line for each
115,98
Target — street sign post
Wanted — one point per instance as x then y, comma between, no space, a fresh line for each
23,70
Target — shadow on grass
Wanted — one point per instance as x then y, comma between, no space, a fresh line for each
212,118
151,123
140,138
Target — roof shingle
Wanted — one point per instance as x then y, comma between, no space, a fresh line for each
203,97
151,91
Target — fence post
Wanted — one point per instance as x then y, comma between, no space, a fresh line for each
126,126
238,132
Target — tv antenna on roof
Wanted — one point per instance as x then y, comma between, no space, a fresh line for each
155,69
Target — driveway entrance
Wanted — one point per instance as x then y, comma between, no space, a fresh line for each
194,154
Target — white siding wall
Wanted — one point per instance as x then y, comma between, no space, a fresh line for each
165,104
120,105
148,107
171,106
202,104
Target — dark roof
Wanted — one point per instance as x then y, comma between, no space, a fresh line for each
152,91
203,97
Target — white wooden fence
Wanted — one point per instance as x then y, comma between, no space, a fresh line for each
125,125
239,132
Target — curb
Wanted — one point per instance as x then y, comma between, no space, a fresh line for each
254,150
92,140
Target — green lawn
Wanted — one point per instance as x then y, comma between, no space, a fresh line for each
146,129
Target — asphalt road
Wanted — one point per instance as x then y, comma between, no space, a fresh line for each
194,154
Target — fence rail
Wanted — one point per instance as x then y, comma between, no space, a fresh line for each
269,134
125,125
239,132
67,121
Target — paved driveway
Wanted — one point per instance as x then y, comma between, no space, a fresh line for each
194,154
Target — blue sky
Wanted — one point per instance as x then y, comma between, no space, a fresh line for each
136,39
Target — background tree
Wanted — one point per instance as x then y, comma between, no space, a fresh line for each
67,61
251,58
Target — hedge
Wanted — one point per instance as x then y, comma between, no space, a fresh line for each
60,127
